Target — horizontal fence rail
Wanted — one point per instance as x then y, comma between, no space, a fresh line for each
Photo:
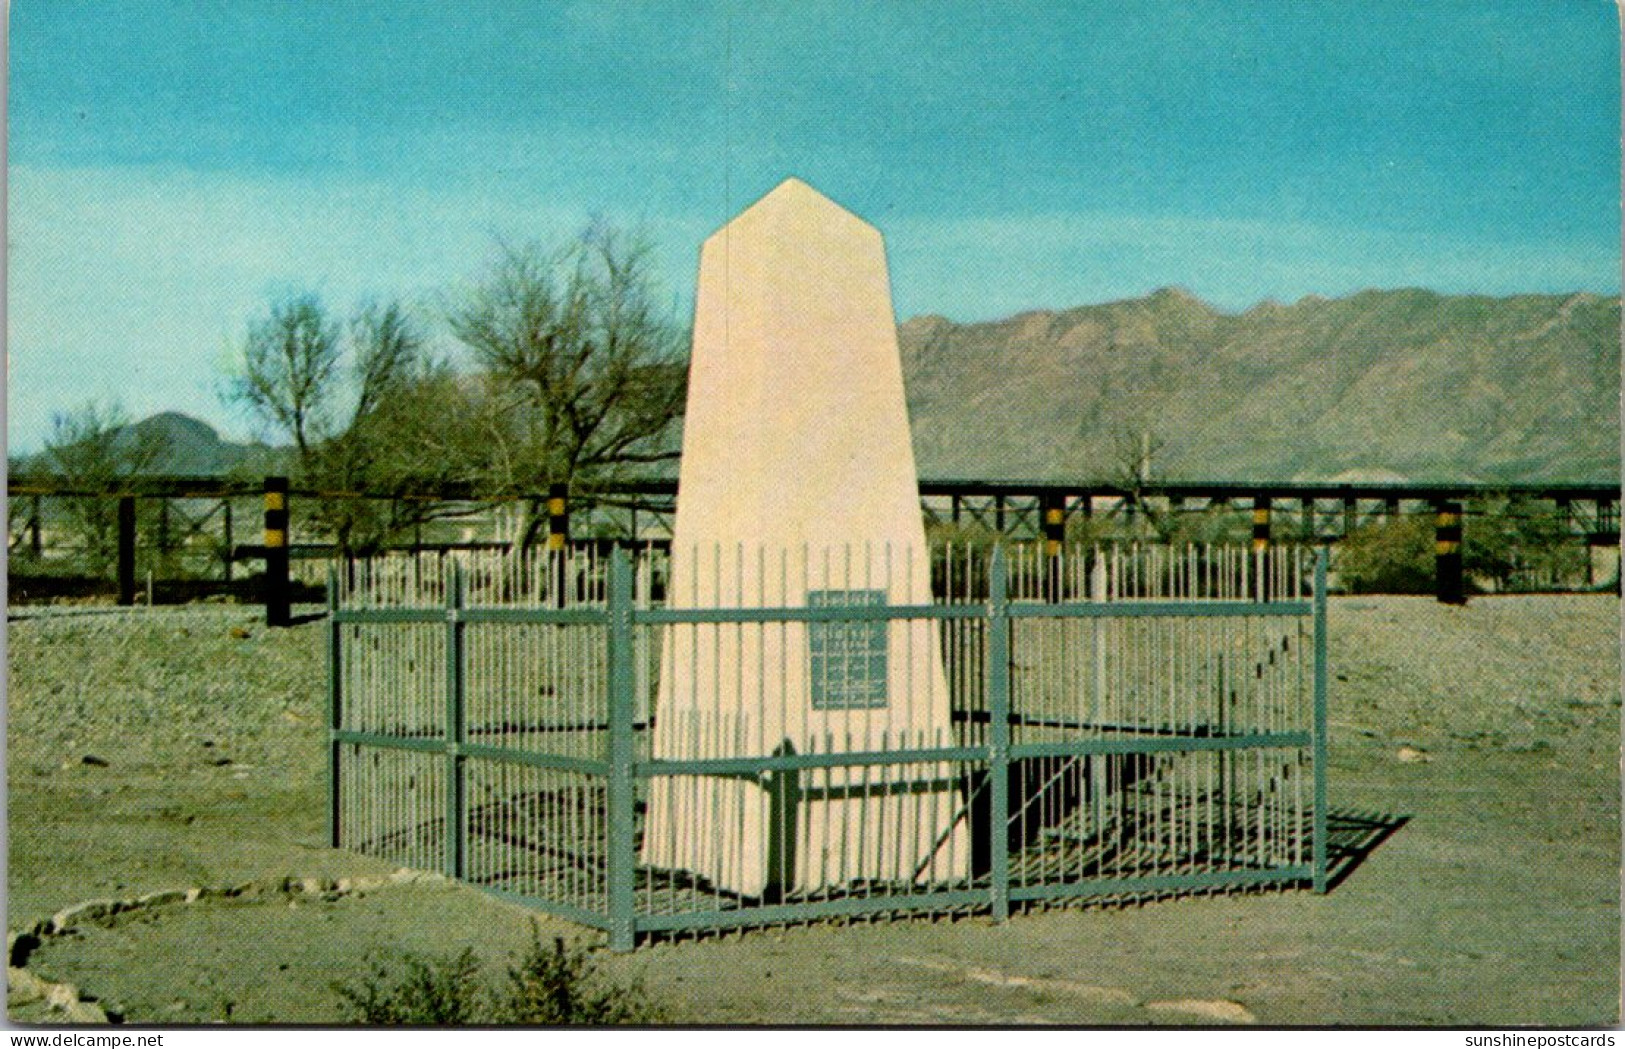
648,744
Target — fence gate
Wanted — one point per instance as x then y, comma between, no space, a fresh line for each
576,733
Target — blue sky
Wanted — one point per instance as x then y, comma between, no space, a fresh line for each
172,166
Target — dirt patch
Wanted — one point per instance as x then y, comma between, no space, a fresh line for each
1496,904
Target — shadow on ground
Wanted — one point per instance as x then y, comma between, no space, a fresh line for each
1353,836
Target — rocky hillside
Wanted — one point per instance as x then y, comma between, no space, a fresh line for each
1392,385
1401,385
193,448
185,447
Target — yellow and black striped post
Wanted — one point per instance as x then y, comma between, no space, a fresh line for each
277,601
1052,525
1261,523
1448,582
558,516
558,539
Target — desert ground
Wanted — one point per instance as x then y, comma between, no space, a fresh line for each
168,749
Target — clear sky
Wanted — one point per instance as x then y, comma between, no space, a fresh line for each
172,166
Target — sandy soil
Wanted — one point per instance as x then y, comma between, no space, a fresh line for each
1492,730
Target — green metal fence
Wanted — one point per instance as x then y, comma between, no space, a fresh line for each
580,734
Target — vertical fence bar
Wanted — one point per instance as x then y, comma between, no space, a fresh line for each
335,697
1319,830
998,706
623,856
1261,545
455,730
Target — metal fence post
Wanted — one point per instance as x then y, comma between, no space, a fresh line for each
622,845
335,655
998,757
456,785
1319,831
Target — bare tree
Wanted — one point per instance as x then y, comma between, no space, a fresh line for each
331,389
1132,468
95,449
289,361
584,372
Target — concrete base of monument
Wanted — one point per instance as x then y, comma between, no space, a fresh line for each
810,832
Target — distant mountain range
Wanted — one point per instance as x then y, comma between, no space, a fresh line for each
1401,385
1382,385
193,448
189,448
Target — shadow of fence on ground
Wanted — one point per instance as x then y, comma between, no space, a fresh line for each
1351,837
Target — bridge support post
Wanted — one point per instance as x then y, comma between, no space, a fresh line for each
1448,583
558,539
126,550
163,530
278,611
226,547
35,547
1052,525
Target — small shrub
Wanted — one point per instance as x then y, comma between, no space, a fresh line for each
441,992
549,984
1391,557
561,985
1507,544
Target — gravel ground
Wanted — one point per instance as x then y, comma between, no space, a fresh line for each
158,749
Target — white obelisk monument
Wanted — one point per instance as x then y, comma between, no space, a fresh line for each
798,490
